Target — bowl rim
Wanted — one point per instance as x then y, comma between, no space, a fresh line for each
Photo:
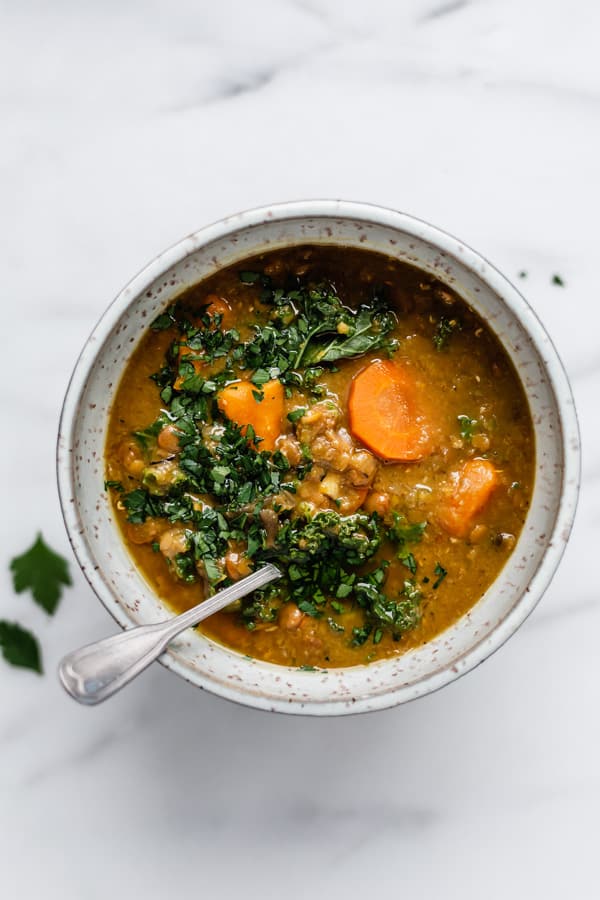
447,244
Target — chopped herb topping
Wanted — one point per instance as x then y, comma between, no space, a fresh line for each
296,414
468,427
410,562
440,573
113,486
444,330
403,532
250,277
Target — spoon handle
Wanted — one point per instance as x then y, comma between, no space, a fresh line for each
97,671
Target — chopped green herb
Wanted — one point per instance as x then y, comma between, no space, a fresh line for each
556,279
309,608
467,426
444,330
43,572
296,414
410,562
140,505
260,377
146,437
113,486
360,636
402,614
441,573
311,326
250,277
522,274
404,532
164,321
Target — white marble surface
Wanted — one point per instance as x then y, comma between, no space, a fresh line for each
126,125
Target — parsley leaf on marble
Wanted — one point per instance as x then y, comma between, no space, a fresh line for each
43,572
20,647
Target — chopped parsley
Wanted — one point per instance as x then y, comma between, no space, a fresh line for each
113,486
250,277
296,414
360,635
558,280
467,426
146,437
311,326
402,532
400,614
444,330
440,573
410,562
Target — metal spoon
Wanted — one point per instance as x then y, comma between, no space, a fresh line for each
97,671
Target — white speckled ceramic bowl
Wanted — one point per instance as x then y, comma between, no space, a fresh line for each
103,556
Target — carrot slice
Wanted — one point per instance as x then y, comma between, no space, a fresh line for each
472,487
387,414
239,404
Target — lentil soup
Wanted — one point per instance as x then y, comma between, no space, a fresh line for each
341,414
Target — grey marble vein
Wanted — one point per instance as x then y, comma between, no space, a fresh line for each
443,10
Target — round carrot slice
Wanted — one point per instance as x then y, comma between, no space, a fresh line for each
386,412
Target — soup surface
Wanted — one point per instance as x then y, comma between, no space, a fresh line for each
341,414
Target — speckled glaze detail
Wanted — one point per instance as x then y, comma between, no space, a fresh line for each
103,556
